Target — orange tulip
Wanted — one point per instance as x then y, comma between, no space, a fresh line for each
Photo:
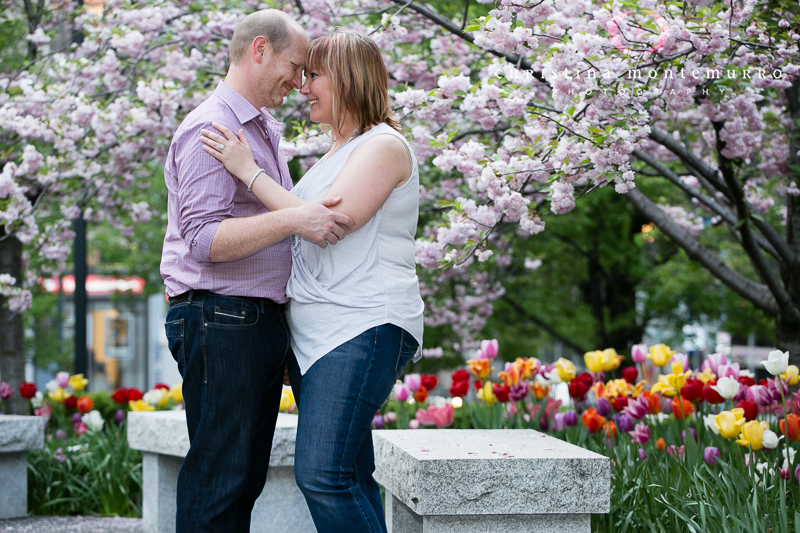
85,404
794,426
676,407
540,391
592,420
653,402
610,429
421,394
660,444
480,368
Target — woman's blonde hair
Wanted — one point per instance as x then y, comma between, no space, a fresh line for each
359,81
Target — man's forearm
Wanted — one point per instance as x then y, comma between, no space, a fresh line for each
238,238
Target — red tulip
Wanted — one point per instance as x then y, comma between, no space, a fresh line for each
478,384
460,375
459,388
619,403
163,386
685,404
501,392
421,394
85,404
630,374
710,395
70,402
134,395
750,409
693,390
429,381
120,395
27,390
746,380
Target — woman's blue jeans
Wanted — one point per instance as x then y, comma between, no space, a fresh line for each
337,399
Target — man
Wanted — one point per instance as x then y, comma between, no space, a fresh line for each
225,263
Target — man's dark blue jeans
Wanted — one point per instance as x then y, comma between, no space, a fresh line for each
231,353
337,399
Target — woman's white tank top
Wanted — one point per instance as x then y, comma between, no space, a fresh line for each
367,279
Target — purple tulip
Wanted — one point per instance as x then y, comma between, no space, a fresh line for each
518,392
377,421
681,358
119,416
559,421
692,431
544,424
571,418
666,405
61,434
637,407
6,391
76,418
641,434
60,457
413,382
602,406
797,473
774,386
710,455
639,353
642,454
625,423
400,392
62,378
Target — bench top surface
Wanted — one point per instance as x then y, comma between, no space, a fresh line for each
500,444
20,433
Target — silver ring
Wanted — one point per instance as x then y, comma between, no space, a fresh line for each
221,146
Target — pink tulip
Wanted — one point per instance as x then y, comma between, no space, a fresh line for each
713,361
488,349
413,424
400,392
759,394
728,371
62,378
637,407
639,353
681,358
413,382
640,433
441,417
80,428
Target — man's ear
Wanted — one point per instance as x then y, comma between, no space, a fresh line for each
260,48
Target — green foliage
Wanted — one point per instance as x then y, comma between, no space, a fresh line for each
102,476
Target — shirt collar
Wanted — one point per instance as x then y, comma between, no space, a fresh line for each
244,110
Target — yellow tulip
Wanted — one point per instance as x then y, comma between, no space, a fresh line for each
141,405
705,376
58,395
177,392
525,367
661,354
752,435
792,374
480,368
287,399
616,388
593,361
78,382
565,370
729,423
485,394
671,384
611,360
164,398
510,376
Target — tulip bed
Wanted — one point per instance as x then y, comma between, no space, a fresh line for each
703,450
86,466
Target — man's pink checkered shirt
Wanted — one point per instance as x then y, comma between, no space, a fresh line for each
201,194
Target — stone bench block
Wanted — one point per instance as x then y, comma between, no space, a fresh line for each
164,440
18,434
442,481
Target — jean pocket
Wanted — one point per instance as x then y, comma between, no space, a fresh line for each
233,313
176,340
408,349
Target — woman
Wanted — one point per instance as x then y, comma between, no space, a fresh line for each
355,312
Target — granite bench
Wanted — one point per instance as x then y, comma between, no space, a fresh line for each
18,434
163,438
474,481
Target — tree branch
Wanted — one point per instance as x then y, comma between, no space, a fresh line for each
712,204
536,320
756,293
520,62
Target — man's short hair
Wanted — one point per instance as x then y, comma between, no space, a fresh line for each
275,26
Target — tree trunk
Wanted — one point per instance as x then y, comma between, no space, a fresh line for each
12,353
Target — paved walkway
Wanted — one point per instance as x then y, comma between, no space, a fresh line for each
71,524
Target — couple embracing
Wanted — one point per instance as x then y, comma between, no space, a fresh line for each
316,281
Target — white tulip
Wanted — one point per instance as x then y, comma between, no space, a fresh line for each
153,397
37,400
711,423
770,439
93,420
776,362
727,387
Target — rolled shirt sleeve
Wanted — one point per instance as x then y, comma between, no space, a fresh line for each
205,193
